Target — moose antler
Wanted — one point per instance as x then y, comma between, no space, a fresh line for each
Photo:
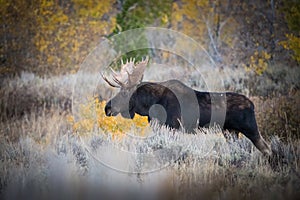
130,75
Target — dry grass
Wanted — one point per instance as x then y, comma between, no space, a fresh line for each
48,157
279,115
42,157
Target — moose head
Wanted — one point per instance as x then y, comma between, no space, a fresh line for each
129,77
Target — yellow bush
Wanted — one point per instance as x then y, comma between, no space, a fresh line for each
292,43
258,62
93,115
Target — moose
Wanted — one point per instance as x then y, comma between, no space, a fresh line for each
176,105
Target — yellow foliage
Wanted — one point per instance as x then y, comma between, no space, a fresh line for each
165,19
202,3
185,16
194,17
292,43
259,62
93,115
92,8
64,40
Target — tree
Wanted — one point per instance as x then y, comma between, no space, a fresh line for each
49,36
65,39
16,35
207,22
139,14
291,11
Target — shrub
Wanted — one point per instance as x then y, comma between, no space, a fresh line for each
93,115
279,115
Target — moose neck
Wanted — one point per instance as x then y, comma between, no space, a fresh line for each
146,95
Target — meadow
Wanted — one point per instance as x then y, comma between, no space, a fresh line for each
57,143
46,154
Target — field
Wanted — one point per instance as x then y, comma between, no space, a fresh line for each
46,154
57,143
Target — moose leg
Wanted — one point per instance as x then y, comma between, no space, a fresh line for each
172,122
248,126
258,141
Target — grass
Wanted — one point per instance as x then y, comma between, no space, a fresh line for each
44,157
48,158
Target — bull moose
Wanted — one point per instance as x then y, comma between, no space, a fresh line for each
176,105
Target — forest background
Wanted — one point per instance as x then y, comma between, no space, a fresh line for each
54,36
